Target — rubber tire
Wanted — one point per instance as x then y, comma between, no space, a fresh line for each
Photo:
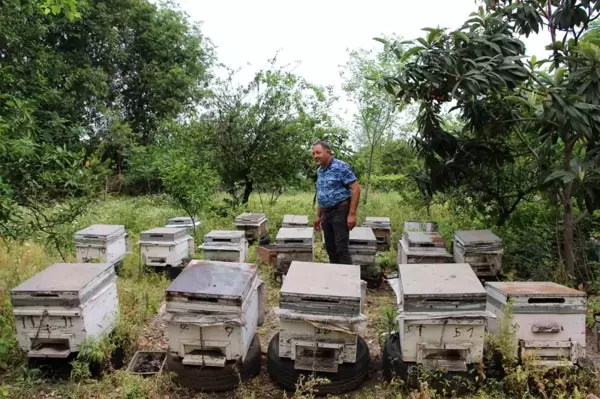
348,378
410,373
374,283
217,379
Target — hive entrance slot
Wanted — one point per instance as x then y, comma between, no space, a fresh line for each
49,347
293,241
156,235
196,299
330,300
90,236
41,295
546,300
359,243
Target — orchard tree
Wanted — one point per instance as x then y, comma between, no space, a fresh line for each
376,117
549,107
261,131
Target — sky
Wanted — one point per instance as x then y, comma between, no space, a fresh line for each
319,33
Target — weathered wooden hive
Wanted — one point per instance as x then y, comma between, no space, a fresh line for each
363,246
184,221
103,242
382,228
423,247
166,247
320,315
212,310
482,249
428,227
550,318
225,246
255,225
295,221
63,305
293,244
442,315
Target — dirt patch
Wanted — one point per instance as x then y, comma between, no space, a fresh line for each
148,363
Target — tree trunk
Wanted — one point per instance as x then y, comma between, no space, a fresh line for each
568,216
247,191
369,173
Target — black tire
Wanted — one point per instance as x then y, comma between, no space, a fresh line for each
373,282
411,373
348,378
217,379
265,240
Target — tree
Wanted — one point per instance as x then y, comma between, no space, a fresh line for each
376,114
551,112
261,132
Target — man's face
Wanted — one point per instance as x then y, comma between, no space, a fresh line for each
320,155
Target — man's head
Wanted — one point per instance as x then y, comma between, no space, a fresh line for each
321,153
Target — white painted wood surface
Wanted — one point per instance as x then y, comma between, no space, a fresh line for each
107,243
547,315
159,247
65,304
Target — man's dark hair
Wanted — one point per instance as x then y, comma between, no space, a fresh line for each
323,144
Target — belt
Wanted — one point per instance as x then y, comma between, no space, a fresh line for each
336,206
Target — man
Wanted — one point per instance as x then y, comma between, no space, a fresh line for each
338,194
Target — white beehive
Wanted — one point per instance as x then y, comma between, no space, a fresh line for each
225,246
295,221
362,246
550,318
61,306
162,246
184,221
320,315
482,249
255,225
428,227
106,243
442,315
293,244
212,312
422,247
382,228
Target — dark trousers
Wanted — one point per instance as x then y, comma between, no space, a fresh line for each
334,223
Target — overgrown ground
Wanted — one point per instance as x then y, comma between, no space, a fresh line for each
141,297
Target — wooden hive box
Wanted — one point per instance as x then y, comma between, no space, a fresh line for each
295,221
106,243
184,221
442,315
363,246
482,249
293,244
63,305
255,225
550,318
382,228
212,312
336,292
162,246
225,246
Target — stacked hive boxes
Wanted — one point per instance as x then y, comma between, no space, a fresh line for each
60,307
166,249
382,228
422,247
482,249
295,221
293,244
225,245
102,242
255,226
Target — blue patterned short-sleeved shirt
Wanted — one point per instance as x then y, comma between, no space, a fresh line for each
333,183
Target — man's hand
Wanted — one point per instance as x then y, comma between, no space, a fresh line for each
351,221
317,224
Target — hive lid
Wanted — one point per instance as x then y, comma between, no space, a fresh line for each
183,220
295,220
65,277
322,280
424,239
534,289
233,236
100,231
475,237
376,221
213,279
295,236
362,236
163,234
251,218
442,280
420,226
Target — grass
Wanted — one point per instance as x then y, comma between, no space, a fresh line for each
141,296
